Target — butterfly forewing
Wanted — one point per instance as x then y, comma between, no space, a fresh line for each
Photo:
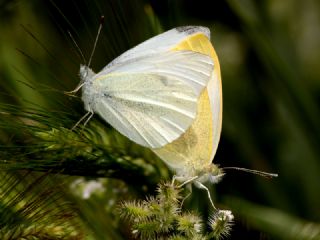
152,100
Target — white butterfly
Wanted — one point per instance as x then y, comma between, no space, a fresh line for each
150,93
165,94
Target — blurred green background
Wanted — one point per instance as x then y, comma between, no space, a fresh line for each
269,53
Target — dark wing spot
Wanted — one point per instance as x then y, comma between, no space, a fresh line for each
194,29
164,81
188,29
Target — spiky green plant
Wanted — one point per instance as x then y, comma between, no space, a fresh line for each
163,217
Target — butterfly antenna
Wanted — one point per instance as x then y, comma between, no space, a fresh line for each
71,93
78,48
256,172
96,40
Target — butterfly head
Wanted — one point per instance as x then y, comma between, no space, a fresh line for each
86,74
211,173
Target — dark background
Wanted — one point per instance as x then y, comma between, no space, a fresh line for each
269,56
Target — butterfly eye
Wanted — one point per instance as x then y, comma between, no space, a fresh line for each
86,72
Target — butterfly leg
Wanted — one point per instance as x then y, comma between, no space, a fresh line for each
189,188
88,114
187,181
71,93
201,186
173,179
88,119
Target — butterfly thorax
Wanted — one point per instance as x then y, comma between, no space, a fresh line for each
88,94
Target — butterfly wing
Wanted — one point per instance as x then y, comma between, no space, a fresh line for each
194,150
158,44
152,99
